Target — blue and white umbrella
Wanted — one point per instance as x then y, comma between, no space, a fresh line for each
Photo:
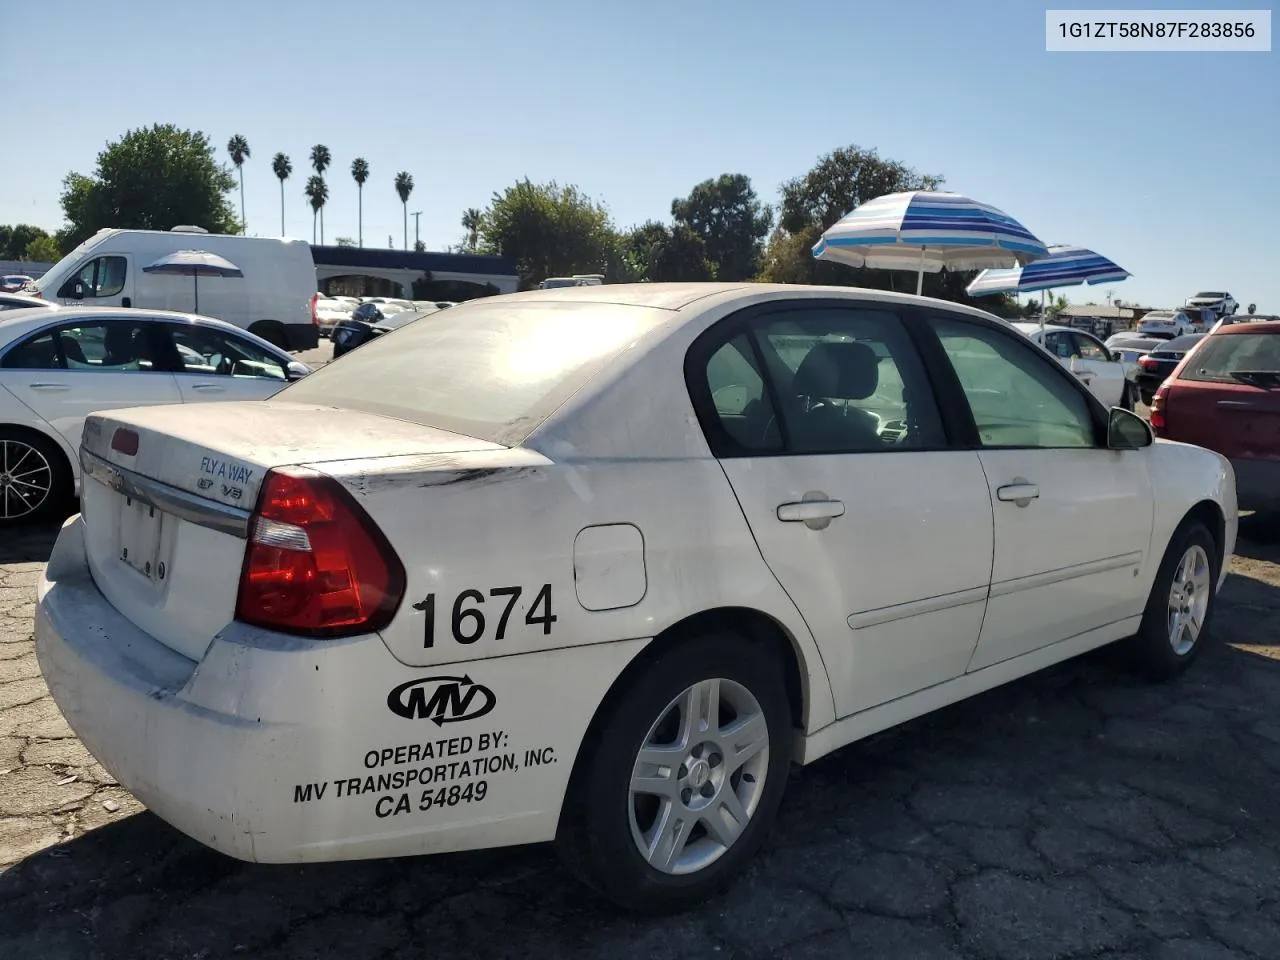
1065,266
925,231
195,264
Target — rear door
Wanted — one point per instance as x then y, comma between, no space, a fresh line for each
214,364
1072,518
67,372
826,426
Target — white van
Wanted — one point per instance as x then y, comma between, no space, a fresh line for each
274,299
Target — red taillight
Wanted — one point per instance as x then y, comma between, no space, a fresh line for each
315,320
316,564
1147,363
1158,410
125,441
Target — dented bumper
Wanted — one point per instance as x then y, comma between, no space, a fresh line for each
276,749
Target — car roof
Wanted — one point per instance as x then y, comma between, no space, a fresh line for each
1252,326
678,296
1026,327
16,323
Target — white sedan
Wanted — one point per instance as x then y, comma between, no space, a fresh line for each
598,564
58,365
1107,376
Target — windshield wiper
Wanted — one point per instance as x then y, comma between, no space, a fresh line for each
1258,378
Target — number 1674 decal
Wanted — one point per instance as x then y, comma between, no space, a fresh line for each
467,620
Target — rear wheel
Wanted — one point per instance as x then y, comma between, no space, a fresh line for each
1180,607
35,479
677,790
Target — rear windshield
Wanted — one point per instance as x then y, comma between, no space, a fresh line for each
1244,358
492,370
1182,344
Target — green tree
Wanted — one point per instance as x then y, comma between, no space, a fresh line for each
550,230
320,160
317,192
283,168
843,180
730,219
654,251
15,240
153,178
471,223
360,173
43,249
238,147
404,187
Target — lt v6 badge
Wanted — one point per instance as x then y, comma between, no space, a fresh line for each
441,699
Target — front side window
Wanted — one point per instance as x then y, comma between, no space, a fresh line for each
1018,398
100,277
206,351
116,346
38,353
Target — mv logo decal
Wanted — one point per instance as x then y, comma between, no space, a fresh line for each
441,699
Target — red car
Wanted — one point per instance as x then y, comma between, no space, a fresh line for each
1225,395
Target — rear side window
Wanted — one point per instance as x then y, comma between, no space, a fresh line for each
38,353
1252,358
108,346
493,371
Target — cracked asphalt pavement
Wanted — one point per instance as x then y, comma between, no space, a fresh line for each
1076,813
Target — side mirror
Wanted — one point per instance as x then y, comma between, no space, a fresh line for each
77,292
296,370
1128,431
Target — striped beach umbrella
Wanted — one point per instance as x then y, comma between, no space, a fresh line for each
1065,266
925,231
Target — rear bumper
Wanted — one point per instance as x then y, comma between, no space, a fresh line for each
1257,484
273,749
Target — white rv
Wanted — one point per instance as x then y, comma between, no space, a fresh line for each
275,298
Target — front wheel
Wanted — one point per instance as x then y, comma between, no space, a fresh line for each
678,788
1180,607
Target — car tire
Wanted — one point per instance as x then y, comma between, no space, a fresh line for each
606,822
35,478
1186,588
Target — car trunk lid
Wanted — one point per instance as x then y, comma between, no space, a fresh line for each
168,492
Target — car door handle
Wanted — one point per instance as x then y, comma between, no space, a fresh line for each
1021,492
49,387
803,511
209,387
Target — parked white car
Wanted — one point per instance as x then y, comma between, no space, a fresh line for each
1107,376
1172,323
597,564
24,301
1219,301
58,366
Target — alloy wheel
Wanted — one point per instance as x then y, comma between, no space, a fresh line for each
26,479
699,776
1189,599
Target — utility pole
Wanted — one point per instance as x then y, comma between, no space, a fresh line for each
416,214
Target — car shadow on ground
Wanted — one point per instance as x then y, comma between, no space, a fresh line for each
28,543
1078,811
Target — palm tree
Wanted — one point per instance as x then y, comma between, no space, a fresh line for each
404,187
318,193
360,173
281,165
320,160
471,224
238,147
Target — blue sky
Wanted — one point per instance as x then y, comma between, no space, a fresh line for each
1167,163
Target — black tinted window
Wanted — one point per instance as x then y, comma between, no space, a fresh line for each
38,353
